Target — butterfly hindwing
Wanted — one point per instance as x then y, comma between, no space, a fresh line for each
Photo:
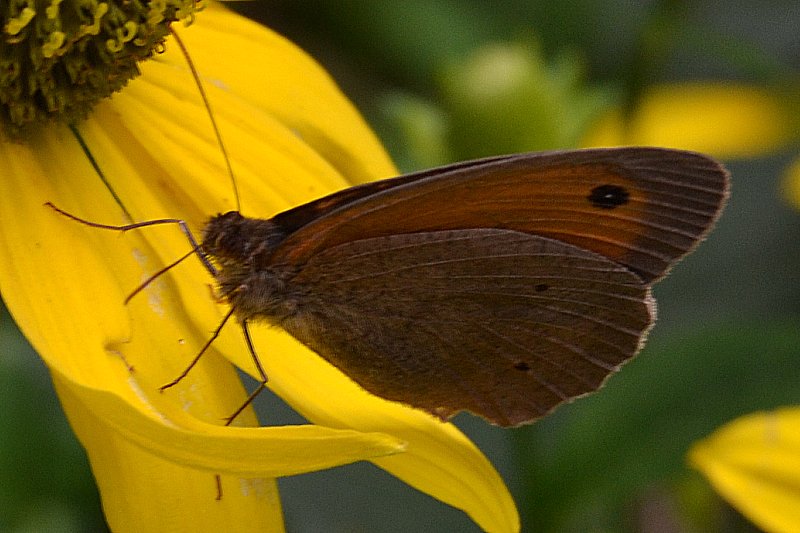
476,320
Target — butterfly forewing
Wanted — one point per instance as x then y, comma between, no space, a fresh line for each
642,207
471,319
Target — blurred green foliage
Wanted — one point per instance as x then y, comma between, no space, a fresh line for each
45,482
727,341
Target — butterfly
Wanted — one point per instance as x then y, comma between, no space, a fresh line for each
502,286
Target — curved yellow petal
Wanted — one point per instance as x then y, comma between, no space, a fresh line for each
754,462
158,157
727,120
269,451
144,492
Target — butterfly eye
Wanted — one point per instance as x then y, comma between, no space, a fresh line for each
231,217
223,235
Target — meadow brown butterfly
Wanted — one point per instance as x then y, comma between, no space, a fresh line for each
503,286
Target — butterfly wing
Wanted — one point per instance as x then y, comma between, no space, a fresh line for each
643,208
502,286
501,323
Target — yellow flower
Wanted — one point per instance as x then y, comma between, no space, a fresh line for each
150,152
754,462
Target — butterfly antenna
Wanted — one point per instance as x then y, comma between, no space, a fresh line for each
207,104
196,248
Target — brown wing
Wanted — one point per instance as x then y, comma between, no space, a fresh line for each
641,207
504,324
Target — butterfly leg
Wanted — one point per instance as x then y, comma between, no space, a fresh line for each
199,354
262,374
218,481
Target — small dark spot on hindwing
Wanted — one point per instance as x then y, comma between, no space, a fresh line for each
522,366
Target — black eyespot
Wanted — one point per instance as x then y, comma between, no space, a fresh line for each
541,287
522,366
608,196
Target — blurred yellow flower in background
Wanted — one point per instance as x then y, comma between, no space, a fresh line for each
727,120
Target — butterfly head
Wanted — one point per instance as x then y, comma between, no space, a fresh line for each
235,240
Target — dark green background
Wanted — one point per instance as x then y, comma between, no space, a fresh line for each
727,341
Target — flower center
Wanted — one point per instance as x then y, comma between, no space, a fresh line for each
60,57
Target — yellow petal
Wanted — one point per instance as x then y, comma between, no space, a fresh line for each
754,462
726,120
270,451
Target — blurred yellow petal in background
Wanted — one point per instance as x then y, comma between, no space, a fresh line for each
754,462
